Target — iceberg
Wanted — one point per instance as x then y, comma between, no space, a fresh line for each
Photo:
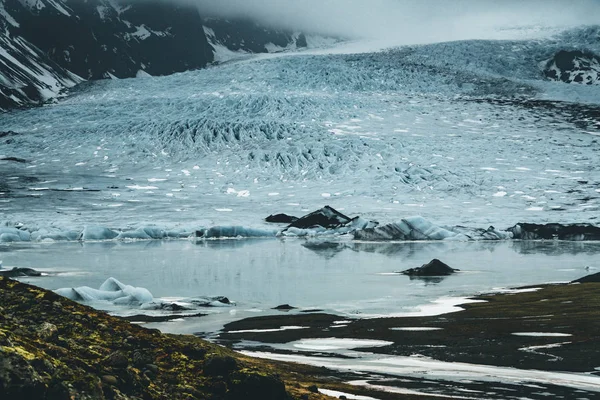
419,228
111,290
14,235
412,228
217,232
97,233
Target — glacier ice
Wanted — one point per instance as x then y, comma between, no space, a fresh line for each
434,130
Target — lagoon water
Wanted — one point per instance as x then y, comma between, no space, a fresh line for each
345,277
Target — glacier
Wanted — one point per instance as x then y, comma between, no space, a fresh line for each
466,133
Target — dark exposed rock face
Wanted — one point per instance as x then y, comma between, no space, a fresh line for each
576,232
574,67
588,278
284,307
17,272
248,36
281,218
434,267
326,217
51,45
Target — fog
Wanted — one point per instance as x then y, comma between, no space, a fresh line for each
408,20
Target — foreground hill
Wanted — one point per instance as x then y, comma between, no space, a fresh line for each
53,348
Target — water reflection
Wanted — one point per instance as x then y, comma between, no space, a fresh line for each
555,247
233,243
428,280
325,249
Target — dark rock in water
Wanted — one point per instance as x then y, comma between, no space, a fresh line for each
19,272
574,232
433,268
588,278
15,159
209,301
171,307
284,307
281,218
326,217
575,66
7,133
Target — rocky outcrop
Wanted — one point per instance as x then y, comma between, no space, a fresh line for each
574,66
247,36
593,278
326,217
281,218
19,272
434,267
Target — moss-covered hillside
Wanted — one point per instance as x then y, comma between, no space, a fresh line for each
53,348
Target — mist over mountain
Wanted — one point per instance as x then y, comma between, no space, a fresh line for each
406,21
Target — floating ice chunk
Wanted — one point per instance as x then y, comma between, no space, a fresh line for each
97,233
233,232
14,235
412,228
148,232
111,290
500,194
45,234
139,187
293,231
178,233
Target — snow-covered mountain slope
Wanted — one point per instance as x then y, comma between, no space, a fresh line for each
48,45
460,133
574,67
27,74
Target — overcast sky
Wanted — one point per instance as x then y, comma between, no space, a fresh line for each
414,19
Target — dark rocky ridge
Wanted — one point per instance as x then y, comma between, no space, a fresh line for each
574,66
55,44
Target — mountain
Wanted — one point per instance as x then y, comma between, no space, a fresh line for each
49,45
574,66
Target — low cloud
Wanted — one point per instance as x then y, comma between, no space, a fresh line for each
410,21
